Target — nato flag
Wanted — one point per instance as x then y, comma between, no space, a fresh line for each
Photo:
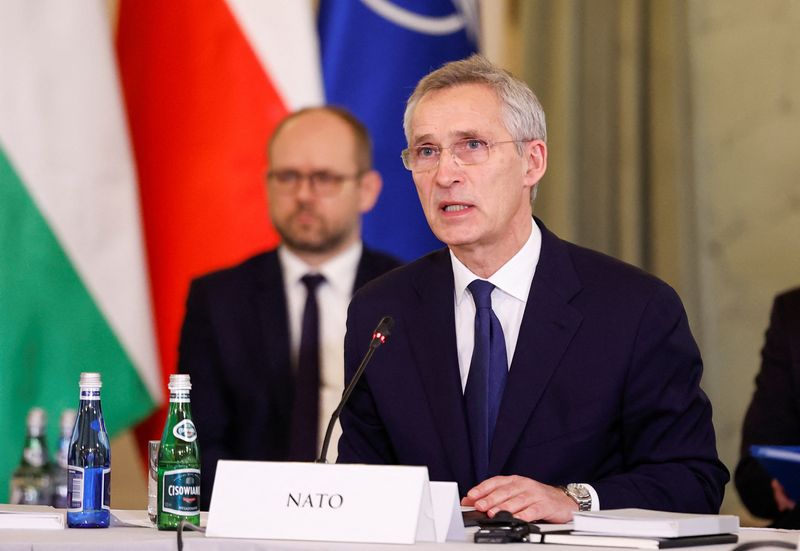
373,54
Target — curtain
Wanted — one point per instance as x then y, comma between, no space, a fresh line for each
613,76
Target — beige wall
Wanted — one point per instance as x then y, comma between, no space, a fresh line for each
128,482
745,73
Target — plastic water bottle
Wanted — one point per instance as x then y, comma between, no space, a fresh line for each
60,472
89,461
31,483
178,460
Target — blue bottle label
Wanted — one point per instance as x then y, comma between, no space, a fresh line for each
91,394
180,492
88,489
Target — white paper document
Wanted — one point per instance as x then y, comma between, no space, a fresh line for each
644,522
31,517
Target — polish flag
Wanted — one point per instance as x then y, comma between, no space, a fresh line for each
205,84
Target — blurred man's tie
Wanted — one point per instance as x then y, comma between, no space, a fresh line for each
305,411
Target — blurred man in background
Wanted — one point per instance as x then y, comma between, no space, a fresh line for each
263,340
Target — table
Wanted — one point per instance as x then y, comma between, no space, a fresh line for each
150,539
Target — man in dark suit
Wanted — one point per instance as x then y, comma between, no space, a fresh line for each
774,414
263,348
543,377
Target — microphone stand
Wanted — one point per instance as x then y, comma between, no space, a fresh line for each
379,336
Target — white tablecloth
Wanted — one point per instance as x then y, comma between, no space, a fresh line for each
150,539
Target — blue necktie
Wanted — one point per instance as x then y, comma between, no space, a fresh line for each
487,377
305,410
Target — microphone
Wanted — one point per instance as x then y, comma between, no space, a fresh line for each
379,337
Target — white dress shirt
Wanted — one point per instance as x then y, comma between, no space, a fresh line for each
512,285
333,298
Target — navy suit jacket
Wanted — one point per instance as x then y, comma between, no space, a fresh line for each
773,416
603,387
235,345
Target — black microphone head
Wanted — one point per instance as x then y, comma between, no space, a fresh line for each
384,329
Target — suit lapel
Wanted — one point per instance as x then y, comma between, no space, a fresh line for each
548,326
365,271
432,338
270,300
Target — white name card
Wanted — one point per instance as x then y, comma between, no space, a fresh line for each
318,502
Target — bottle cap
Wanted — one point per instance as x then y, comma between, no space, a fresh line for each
90,379
37,420
68,421
179,381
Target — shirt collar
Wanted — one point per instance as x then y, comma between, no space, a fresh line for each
339,271
514,277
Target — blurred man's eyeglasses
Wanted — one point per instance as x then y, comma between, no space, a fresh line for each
322,182
470,151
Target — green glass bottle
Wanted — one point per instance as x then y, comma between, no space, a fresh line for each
31,483
178,460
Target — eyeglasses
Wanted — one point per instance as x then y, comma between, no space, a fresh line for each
322,182
470,151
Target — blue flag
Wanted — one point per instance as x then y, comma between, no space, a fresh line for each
373,54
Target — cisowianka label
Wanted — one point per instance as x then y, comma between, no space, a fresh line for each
179,397
180,494
185,430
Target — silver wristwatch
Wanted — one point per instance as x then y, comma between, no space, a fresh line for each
580,495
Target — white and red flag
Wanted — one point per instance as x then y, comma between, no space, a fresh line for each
205,83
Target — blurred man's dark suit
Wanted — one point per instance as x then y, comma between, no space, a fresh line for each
235,345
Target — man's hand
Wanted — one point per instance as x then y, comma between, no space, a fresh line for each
523,497
783,501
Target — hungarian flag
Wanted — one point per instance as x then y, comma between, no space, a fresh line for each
205,84
73,288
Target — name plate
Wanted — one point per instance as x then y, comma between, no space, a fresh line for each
319,502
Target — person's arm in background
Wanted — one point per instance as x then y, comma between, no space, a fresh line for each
773,416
